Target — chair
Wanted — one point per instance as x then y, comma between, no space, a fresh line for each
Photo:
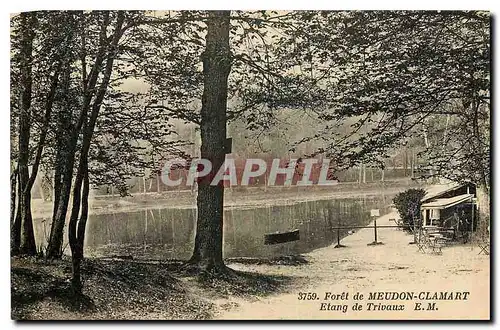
430,239
485,248
421,246
482,239
436,244
423,242
484,245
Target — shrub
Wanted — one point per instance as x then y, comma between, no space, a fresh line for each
408,205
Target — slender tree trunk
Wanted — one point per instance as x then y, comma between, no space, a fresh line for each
66,136
23,239
26,181
76,227
15,240
28,238
54,249
65,160
67,150
207,252
13,195
40,191
405,162
412,162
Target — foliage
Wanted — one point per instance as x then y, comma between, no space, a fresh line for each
408,204
393,72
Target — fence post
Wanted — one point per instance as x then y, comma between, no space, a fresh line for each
338,237
415,233
375,242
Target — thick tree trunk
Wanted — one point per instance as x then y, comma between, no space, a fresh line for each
77,241
207,252
28,245
483,201
76,282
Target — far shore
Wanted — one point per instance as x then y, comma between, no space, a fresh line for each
235,197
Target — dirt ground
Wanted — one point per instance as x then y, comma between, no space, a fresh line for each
394,266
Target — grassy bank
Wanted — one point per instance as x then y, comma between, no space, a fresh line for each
127,289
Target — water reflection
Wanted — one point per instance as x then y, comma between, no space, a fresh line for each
169,233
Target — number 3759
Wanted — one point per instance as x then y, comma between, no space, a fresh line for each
307,296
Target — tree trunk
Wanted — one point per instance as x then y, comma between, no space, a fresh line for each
207,252
76,227
23,239
41,192
79,239
65,160
28,238
405,162
67,136
13,194
76,282
67,148
15,238
54,248
28,245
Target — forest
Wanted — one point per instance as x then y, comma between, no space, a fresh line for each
98,98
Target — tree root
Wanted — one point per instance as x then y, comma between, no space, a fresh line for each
206,270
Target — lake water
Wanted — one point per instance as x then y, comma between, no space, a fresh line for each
168,233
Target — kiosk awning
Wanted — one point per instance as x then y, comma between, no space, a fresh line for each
444,203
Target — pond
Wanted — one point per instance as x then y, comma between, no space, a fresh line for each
168,233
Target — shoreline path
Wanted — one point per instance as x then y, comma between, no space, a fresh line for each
395,266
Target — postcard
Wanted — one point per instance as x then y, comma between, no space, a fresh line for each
250,165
